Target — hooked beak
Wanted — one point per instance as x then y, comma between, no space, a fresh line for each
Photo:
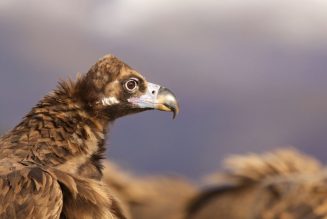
157,97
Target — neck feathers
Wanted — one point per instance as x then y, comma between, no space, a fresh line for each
58,132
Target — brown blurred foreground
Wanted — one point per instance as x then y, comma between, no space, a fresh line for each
160,197
283,184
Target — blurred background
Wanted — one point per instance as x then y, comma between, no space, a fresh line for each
250,75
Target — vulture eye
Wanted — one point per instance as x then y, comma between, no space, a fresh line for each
131,85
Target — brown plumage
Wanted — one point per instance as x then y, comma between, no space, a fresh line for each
284,184
149,197
50,163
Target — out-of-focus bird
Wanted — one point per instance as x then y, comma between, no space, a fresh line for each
284,184
50,163
149,197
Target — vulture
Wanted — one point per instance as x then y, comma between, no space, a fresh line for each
149,197
51,162
283,184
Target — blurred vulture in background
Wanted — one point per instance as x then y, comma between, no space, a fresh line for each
153,197
284,184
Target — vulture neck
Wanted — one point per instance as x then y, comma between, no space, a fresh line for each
59,132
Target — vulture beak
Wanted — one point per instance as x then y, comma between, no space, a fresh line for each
157,97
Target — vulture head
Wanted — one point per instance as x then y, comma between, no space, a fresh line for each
113,89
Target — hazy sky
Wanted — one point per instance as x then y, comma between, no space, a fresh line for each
250,74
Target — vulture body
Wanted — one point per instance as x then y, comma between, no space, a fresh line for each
284,184
50,163
149,197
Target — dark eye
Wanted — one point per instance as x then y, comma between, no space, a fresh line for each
131,85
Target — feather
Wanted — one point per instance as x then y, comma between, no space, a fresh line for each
148,197
50,163
284,184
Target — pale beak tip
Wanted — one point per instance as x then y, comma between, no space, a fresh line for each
168,99
175,112
174,115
